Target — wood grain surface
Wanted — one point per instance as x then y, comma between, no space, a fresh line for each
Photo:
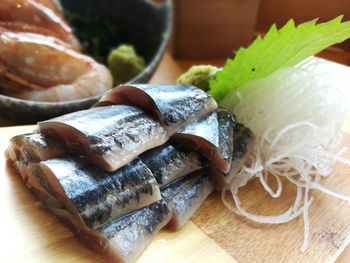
31,234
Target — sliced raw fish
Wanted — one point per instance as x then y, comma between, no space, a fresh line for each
168,163
38,183
203,130
29,174
34,147
129,235
123,239
109,137
94,196
227,124
185,196
211,136
243,140
173,105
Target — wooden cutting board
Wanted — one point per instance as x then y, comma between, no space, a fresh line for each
31,234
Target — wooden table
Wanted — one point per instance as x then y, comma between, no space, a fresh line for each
214,234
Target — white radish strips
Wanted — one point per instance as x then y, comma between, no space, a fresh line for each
296,116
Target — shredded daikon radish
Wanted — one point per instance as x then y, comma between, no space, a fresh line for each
296,116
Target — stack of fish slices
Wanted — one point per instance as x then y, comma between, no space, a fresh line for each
144,157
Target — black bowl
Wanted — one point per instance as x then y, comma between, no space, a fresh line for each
145,24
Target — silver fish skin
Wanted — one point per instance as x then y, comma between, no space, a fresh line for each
128,236
173,105
122,239
33,178
169,163
205,129
109,137
243,140
211,136
227,124
95,197
33,147
185,196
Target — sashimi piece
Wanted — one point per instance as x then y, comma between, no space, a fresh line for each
211,136
227,124
34,147
173,105
243,140
94,196
33,178
129,236
166,162
185,196
169,163
122,239
109,137
204,130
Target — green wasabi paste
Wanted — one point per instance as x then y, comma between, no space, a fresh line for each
198,76
124,64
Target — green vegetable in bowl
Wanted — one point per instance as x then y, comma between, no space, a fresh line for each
199,76
124,64
95,42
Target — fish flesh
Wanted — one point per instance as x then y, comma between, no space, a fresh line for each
211,136
243,140
169,163
125,238
129,236
185,196
227,124
27,150
110,136
121,132
34,147
173,105
94,196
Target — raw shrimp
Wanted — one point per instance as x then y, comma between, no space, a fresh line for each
47,70
38,15
20,27
53,5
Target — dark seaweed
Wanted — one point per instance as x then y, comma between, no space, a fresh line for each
97,35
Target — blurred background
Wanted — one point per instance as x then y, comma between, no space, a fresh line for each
215,29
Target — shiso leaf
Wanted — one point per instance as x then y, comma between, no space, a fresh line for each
279,48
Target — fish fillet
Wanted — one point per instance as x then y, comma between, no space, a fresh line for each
123,239
34,147
94,196
169,163
185,196
109,137
129,236
211,136
173,105
243,140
